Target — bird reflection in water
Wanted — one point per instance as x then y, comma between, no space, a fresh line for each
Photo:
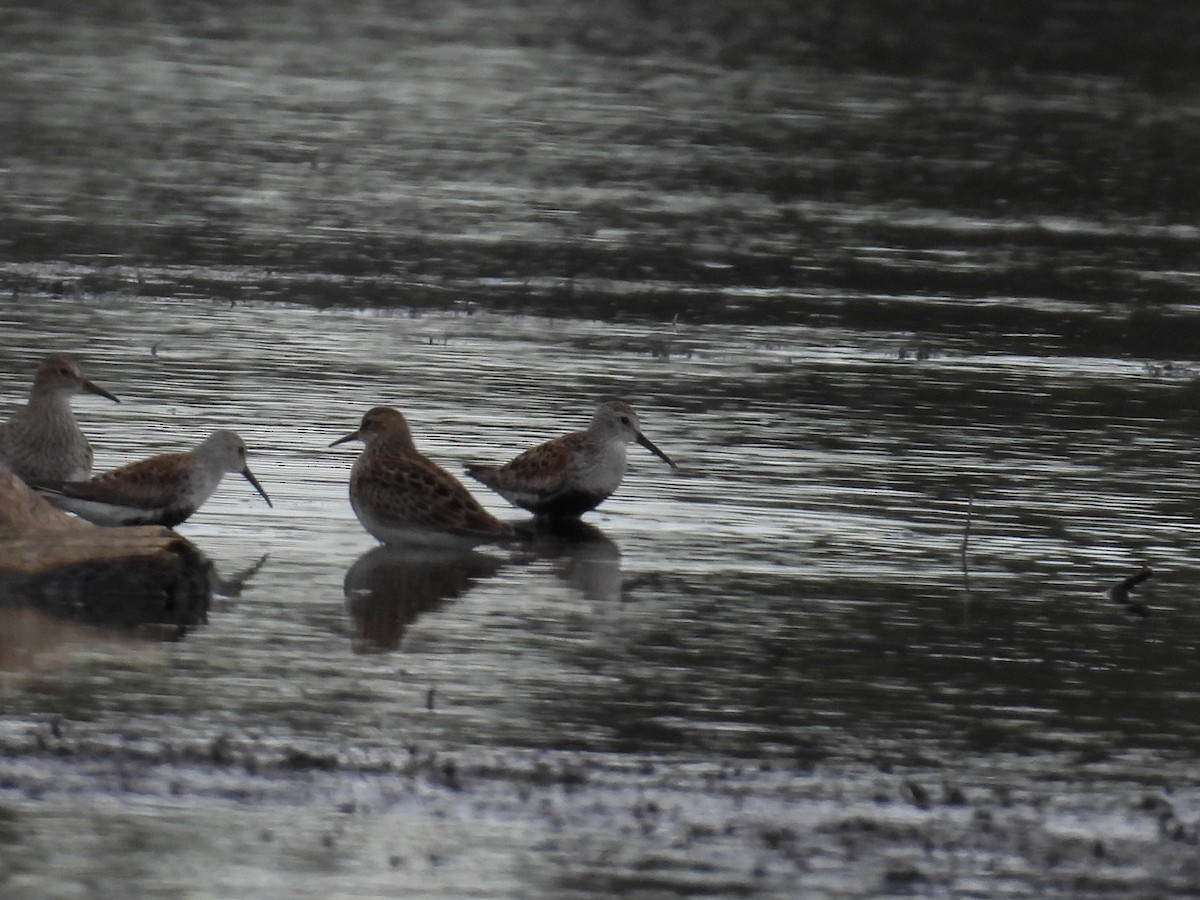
387,588
590,561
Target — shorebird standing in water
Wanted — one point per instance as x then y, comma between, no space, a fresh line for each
567,476
402,497
42,441
161,490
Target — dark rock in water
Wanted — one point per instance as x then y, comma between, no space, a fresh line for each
121,577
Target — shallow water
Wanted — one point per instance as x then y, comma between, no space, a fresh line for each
858,644
795,594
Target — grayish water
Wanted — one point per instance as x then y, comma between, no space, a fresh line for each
796,594
858,310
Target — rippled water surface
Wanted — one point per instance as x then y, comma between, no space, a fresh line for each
926,362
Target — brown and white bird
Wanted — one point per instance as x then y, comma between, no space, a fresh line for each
42,442
162,490
567,476
402,497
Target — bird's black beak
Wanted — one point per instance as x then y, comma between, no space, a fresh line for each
649,445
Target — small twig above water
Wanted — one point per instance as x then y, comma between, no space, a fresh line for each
966,541
233,585
1120,592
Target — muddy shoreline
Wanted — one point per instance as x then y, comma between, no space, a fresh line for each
752,827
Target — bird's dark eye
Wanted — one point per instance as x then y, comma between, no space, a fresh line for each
64,371
624,420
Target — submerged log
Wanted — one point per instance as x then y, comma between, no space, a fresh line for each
113,576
